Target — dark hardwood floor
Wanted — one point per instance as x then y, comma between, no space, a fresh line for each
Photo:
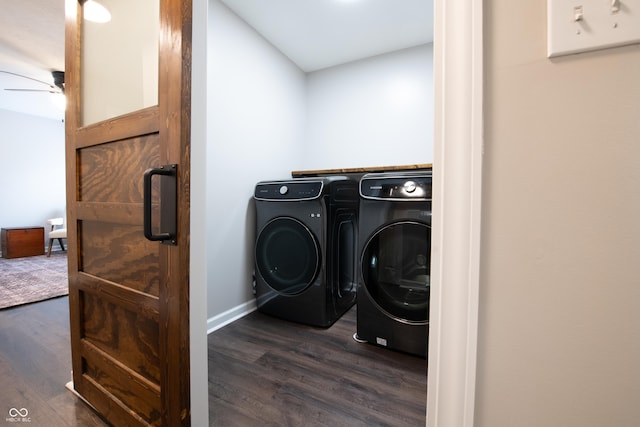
269,372
262,372
35,365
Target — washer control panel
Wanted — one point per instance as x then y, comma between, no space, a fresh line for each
290,190
408,186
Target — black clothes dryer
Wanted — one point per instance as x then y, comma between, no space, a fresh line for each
395,252
305,252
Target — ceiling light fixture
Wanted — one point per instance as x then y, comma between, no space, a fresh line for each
95,12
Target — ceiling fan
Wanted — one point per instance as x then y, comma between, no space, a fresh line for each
56,87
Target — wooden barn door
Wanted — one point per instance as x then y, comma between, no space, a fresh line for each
127,159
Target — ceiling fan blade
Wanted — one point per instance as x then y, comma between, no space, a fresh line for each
34,90
56,87
27,77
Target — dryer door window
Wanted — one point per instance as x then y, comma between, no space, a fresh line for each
287,255
396,270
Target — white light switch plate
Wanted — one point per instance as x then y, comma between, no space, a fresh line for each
575,26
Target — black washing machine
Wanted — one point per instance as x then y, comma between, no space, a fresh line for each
395,252
305,253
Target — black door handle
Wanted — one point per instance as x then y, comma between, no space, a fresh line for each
168,205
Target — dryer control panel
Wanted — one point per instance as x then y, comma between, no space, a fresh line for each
288,190
396,186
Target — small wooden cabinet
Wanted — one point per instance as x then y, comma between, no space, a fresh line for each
22,241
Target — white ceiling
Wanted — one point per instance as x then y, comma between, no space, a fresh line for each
317,34
31,44
314,34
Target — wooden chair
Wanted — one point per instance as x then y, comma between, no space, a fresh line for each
56,233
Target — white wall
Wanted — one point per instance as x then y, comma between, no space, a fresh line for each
373,112
559,327
32,175
256,120
198,350
266,118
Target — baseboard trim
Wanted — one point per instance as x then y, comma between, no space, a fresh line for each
218,321
69,386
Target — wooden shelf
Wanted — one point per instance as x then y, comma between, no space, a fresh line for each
362,170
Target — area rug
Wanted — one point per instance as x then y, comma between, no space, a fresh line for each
31,279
